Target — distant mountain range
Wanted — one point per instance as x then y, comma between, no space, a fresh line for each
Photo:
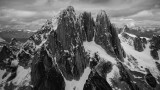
140,31
23,35
20,35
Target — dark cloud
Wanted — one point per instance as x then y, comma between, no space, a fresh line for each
95,1
18,12
15,3
135,8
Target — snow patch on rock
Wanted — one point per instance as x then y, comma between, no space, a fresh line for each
92,48
112,74
23,77
143,59
78,85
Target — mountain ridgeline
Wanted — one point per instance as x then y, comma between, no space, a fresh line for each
80,53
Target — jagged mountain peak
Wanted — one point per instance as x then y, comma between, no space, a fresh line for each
102,18
70,9
68,13
13,41
102,13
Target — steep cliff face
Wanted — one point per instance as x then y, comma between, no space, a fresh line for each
136,41
106,36
85,25
103,33
155,41
138,44
138,50
79,53
66,46
96,82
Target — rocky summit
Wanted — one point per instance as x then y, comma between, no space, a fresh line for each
78,52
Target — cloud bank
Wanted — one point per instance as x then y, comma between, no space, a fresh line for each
14,13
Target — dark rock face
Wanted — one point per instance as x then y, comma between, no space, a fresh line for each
13,41
103,33
54,44
75,58
155,41
144,40
37,74
44,75
107,37
9,86
6,56
124,53
138,44
15,45
66,28
86,27
150,79
43,80
154,54
126,77
96,82
116,44
158,65
64,44
24,58
94,61
126,28
55,80
103,68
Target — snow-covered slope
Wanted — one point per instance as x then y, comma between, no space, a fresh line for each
92,48
142,60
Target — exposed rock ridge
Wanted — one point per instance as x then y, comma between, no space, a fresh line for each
155,41
137,42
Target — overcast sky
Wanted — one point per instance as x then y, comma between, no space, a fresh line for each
32,13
